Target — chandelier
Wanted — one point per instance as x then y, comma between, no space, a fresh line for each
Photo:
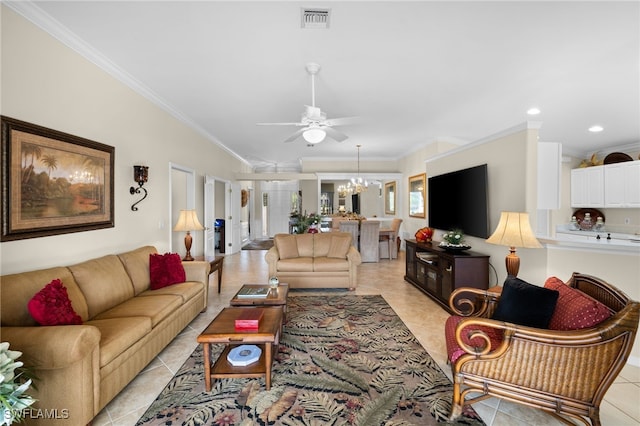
356,185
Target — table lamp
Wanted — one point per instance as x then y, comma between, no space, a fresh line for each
188,221
514,231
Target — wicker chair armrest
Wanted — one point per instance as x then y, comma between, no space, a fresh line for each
462,304
575,338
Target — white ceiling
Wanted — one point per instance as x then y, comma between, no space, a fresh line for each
414,72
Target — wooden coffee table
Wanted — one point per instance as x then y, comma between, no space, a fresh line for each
277,297
222,331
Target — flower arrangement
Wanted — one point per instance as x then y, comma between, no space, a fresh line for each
306,221
453,238
13,399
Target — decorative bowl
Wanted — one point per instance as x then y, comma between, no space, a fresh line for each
453,247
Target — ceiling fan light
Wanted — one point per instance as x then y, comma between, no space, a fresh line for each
314,135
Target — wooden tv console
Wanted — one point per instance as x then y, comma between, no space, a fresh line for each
438,272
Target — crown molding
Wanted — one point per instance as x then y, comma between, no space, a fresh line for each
53,27
527,125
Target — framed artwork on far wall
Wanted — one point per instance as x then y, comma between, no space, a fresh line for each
390,198
417,199
53,183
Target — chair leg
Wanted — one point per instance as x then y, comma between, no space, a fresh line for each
456,403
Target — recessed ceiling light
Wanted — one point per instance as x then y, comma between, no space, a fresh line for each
533,111
596,129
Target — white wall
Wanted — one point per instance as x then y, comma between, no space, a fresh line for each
45,83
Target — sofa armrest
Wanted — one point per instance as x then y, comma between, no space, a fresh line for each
52,347
353,256
272,256
198,270
65,361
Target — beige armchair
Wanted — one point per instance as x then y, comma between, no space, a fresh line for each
565,373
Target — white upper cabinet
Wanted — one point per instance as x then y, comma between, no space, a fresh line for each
611,185
622,184
587,187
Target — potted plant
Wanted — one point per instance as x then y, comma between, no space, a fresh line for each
14,382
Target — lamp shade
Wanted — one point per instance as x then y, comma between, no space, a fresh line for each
188,221
314,135
514,230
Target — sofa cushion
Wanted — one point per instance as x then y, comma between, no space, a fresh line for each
52,306
119,334
340,245
321,244
298,264
575,310
157,308
329,264
306,244
186,290
136,263
165,270
454,351
17,289
525,304
104,283
286,245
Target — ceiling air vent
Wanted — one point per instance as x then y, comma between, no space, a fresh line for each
315,18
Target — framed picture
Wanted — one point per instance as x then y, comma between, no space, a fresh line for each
390,198
417,200
53,183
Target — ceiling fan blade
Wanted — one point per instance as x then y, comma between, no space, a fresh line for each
334,134
343,121
294,136
280,124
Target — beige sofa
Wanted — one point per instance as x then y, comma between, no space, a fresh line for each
322,260
80,368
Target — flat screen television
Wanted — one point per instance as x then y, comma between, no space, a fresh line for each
459,200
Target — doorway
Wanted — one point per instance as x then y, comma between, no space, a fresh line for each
183,193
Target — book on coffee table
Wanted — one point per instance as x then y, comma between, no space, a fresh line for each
247,292
249,319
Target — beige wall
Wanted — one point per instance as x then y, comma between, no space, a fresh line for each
46,83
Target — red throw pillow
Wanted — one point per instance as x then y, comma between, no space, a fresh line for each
52,306
575,310
165,269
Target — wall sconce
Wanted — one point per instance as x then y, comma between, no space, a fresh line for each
140,175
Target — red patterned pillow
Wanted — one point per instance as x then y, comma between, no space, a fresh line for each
575,310
52,306
165,269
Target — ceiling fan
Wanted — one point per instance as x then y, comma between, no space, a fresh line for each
314,123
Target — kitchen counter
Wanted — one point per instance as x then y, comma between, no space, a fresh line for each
598,240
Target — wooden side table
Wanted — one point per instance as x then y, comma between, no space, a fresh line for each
216,262
222,331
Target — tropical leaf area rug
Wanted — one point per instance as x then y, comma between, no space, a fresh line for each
342,360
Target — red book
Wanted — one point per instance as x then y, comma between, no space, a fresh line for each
249,319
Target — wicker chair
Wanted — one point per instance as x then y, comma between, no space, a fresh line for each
565,373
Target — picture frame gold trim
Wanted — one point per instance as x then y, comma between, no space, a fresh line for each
390,196
53,182
417,199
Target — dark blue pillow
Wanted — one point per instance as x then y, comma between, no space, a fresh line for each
526,304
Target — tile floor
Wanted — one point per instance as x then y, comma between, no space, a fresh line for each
424,318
